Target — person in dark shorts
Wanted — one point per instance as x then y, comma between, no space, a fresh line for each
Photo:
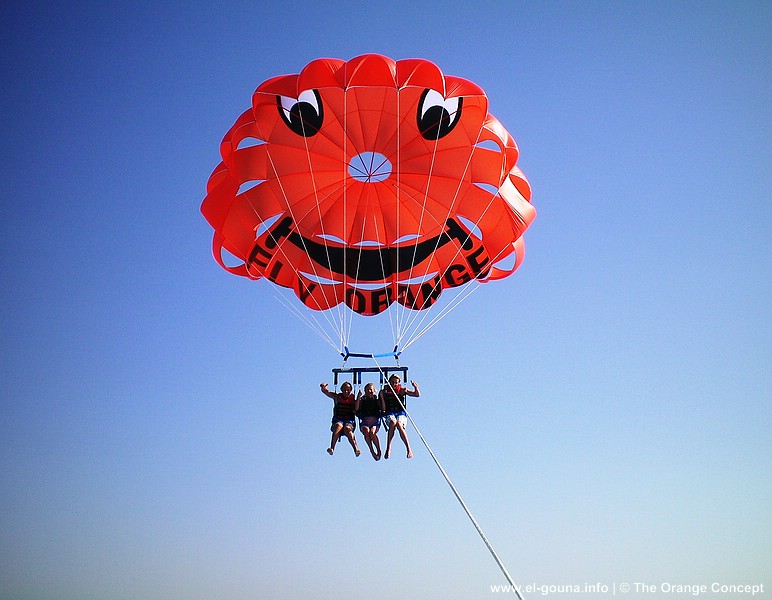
343,415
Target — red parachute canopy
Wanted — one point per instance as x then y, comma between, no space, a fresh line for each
369,182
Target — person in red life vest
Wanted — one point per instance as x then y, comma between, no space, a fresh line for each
394,398
343,415
370,411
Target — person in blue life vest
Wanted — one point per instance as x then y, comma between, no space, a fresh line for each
343,415
394,398
369,413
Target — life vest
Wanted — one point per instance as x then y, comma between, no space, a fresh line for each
344,408
392,404
369,407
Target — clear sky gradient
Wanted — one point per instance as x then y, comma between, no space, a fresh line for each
605,412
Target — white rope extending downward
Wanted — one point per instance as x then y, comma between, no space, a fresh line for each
456,493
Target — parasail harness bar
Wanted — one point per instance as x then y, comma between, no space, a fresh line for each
346,354
356,373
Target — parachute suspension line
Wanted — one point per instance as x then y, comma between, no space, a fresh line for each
466,291
411,318
327,317
342,328
403,317
460,297
413,335
341,323
399,313
420,329
312,324
368,211
345,326
456,493
416,331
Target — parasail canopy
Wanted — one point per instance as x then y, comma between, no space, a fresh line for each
366,183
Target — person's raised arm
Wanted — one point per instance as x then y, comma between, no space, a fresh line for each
325,391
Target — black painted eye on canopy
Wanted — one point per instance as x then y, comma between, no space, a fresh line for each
437,116
303,115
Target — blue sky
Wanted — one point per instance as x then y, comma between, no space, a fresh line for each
605,412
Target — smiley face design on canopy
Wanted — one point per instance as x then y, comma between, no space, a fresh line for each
368,182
